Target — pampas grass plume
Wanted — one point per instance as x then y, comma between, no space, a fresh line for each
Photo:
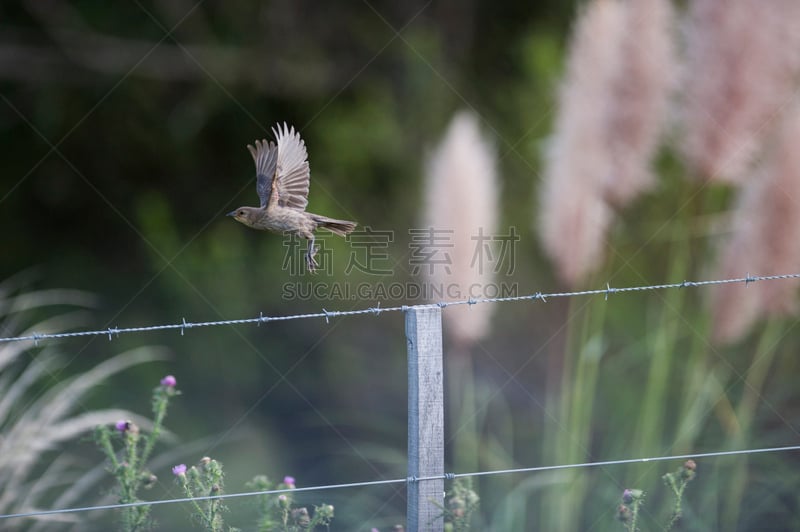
612,107
639,96
573,215
742,58
765,240
462,194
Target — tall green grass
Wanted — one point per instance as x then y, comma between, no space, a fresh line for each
43,407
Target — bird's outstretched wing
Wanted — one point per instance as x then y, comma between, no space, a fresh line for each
265,155
293,173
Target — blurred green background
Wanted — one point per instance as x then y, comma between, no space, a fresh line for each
123,128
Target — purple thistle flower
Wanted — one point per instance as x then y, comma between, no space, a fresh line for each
179,470
122,425
169,381
282,498
631,495
289,481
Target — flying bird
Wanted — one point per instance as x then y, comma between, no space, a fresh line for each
282,178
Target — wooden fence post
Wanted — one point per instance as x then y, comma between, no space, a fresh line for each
425,418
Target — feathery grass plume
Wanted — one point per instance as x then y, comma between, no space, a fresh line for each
766,239
461,195
613,103
573,214
741,62
35,422
639,97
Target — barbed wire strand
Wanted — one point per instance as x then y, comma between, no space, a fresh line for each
327,314
445,476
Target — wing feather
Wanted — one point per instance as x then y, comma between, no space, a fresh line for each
265,155
293,173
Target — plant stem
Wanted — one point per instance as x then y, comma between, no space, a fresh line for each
763,357
160,400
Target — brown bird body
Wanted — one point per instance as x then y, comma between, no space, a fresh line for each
282,179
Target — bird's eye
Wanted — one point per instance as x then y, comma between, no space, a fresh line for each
241,213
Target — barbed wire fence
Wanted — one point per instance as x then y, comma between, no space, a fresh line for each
426,475
183,325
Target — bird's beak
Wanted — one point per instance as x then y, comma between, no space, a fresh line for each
232,213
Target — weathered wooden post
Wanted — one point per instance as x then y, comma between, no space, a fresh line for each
425,418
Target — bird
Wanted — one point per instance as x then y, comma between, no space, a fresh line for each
282,179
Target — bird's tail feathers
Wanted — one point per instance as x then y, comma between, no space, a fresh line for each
338,227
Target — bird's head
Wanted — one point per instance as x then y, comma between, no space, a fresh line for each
245,215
